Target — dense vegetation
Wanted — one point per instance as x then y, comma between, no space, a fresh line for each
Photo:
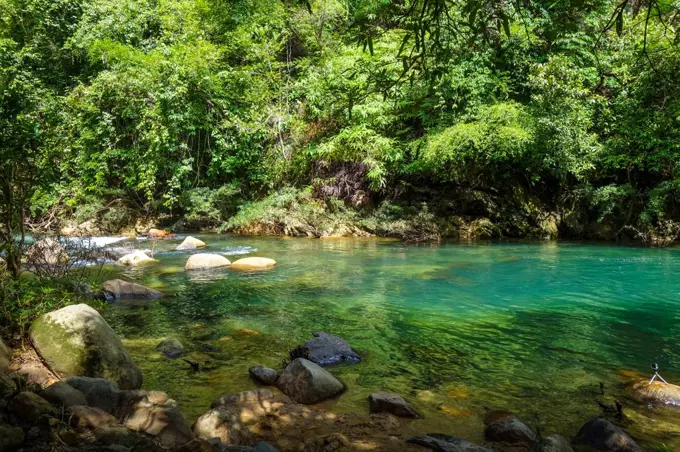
416,118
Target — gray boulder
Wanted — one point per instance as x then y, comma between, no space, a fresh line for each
446,443
171,348
306,382
389,402
325,350
264,375
510,430
555,443
602,435
117,289
63,394
99,393
76,340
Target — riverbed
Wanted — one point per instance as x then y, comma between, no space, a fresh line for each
457,329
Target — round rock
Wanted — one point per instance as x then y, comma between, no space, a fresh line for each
308,383
389,402
190,243
204,261
253,263
136,259
263,374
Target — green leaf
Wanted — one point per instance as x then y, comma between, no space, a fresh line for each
619,23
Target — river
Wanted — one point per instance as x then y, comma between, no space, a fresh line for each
457,329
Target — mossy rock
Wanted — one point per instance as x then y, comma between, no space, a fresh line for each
76,340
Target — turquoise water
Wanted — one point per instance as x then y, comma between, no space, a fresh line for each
457,329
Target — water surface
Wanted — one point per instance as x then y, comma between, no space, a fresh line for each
458,329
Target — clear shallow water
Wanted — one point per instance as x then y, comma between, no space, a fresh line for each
456,329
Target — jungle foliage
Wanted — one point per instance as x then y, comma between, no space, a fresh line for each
542,117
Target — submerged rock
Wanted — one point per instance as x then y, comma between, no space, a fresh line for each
190,243
263,374
171,348
63,394
389,402
658,393
28,407
510,430
326,349
136,259
253,263
306,382
555,443
76,340
117,289
205,261
603,435
446,443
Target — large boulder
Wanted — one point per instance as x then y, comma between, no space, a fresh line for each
63,394
29,406
326,349
5,356
155,414
190,243
446,443
603,435
76,340
98,392
171,348
253,263
657,393
47,252
264,375
117,289
136,259
204,261
306,382
389,402
509,429
555,443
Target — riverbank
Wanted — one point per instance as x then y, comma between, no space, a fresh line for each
296,213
